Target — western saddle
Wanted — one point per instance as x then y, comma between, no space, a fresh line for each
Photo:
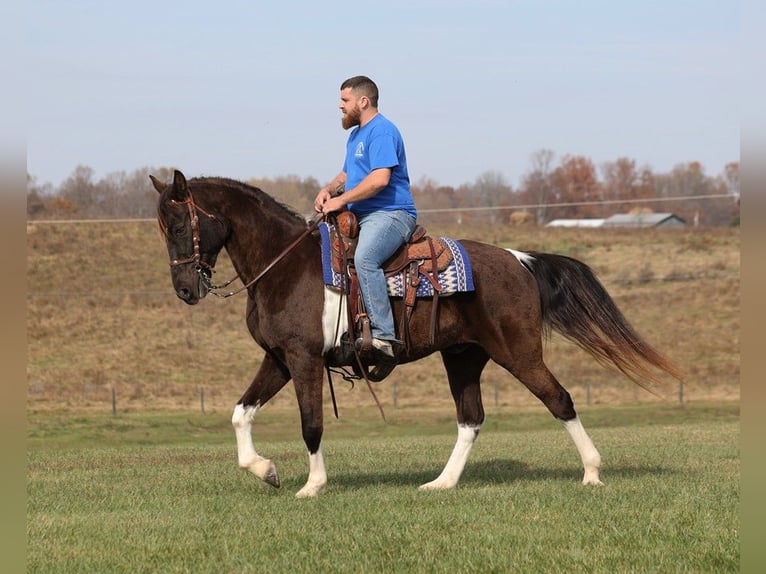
421,257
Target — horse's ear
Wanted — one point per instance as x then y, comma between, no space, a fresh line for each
158,185
179,183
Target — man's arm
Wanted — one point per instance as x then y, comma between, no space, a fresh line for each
376,180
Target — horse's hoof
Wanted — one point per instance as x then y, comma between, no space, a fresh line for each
309,491
591,477
265,470
271,476
436,485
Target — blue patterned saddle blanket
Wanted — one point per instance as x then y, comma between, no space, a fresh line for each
455,277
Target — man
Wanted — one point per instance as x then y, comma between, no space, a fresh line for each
377,191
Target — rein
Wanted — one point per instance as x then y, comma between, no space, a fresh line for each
203,266
214,288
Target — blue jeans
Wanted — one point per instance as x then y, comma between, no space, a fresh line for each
381,233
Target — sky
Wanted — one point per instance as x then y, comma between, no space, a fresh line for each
250,89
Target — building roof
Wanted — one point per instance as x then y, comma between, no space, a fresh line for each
643,220
575,223
623,220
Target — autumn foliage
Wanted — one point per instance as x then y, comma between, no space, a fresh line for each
571,188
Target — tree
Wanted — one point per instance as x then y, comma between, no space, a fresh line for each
491,190
731,181
731,178
133,194
575,184
36,198
537,188
688,183
79,190
291,190
429,195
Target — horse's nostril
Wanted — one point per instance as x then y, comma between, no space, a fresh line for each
183,294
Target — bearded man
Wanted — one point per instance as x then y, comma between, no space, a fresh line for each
375,185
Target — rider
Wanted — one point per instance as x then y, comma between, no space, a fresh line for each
377,191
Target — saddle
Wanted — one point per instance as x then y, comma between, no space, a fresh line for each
421,257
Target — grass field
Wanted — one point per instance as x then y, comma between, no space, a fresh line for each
163,493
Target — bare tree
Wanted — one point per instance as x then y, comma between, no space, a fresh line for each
430,195
79,189
491,190
291,190
537,188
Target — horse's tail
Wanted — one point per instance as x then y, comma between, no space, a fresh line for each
575,304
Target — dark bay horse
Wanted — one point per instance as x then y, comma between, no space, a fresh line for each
518,299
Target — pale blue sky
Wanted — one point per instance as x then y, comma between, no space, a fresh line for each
250,89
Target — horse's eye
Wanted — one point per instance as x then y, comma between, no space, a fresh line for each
179,230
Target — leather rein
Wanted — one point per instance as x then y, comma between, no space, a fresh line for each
205,270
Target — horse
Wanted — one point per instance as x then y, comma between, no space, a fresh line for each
518,300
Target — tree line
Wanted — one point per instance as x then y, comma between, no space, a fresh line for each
570,188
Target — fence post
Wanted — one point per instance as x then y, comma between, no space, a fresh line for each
587,393
202,399
396,393
497,395
114,402
680,392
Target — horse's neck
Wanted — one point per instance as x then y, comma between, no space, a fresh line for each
257,238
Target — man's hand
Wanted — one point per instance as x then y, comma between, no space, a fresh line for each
333,204
322,197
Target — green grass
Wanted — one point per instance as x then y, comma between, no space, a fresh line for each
156,497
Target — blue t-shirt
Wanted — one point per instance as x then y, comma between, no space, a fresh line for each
378,145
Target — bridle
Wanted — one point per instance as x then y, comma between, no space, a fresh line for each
195,257
205,271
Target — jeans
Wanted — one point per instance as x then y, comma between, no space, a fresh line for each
381,233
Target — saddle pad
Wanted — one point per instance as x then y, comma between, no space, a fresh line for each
455,278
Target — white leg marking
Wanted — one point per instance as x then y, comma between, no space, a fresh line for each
591,459
248,458
334,303
466,436
317,476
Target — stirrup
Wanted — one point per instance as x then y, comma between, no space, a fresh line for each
381,370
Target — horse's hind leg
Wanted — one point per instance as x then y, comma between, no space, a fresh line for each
538,379
591,459
267,382
464,369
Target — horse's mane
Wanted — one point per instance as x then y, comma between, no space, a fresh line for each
250,190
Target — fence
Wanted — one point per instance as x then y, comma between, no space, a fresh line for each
391,399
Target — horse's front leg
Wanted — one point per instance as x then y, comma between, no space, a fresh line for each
267,382
308,380
464,372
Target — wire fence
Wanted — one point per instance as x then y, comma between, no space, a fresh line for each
497,395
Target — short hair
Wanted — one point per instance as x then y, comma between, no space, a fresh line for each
363,85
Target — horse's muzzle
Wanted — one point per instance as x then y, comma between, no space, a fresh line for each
196,291
187,296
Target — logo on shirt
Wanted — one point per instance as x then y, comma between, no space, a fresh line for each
359,152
